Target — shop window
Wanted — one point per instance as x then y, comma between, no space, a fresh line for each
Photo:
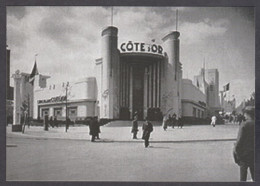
57,111
198,113
72,111
202,114
45,112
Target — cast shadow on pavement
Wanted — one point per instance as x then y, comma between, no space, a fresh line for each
154,147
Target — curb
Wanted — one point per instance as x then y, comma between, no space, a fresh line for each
116,141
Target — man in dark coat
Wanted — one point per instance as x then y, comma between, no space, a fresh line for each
244,146
97,125
147,129
173,120
134,128
93,130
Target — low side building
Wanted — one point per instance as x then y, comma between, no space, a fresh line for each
193,101
80,99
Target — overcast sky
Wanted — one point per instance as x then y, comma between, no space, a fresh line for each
68,39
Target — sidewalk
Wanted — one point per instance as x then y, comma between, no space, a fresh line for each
123,134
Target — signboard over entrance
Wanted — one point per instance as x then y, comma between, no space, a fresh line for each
141,47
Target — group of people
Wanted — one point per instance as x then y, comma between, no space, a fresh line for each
52,122
172,121
147,129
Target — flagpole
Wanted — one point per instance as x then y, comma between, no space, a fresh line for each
112,16
176,19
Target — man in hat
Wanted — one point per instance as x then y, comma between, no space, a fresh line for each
147,129
244,146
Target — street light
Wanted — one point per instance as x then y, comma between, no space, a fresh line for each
66,105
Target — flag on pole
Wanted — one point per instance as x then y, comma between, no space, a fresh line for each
34,71
226,87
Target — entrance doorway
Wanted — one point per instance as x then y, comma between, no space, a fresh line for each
138,91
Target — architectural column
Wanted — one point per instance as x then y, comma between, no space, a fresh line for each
145,91
17,126
110,77
131,91
150,87
154,84
158,84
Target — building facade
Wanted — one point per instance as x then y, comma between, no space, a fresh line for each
131,77
138,77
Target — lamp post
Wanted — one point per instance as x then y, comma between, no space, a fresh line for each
66,106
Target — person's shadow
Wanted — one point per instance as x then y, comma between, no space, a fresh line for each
159,147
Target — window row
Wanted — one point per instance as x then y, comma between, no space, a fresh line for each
197,113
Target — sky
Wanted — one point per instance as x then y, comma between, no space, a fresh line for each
68,39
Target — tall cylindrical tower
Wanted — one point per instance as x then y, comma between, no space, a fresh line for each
172,73
110,74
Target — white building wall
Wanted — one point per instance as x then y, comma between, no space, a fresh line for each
187,109
82,110
82,90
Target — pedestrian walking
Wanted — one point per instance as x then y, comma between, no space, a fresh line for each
173,120
68,121
147,129
244,147
179,122
25,120
51,122
46,122
134,128
165,123
93,130
97,125
136,115
213,121
55,122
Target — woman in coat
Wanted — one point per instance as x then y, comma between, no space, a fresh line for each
134,128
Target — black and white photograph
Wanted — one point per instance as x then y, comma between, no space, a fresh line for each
130,93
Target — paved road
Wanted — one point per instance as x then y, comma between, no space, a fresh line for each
78,160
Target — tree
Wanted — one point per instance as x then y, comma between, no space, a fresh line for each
251,100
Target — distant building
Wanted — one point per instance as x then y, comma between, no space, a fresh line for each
208,82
